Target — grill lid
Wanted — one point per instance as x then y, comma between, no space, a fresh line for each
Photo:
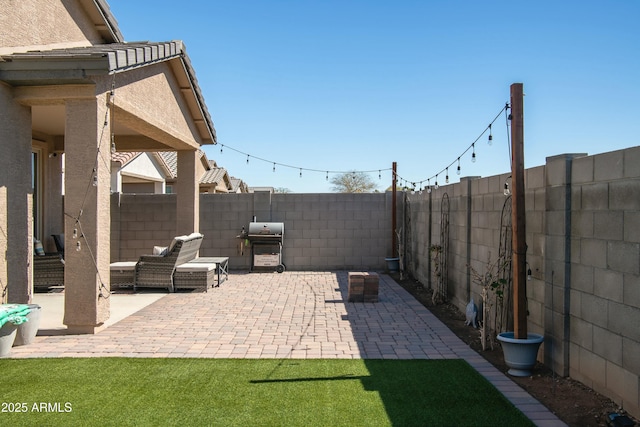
262,230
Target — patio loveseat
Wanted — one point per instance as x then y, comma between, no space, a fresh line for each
158,270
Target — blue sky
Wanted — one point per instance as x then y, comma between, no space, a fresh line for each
346,85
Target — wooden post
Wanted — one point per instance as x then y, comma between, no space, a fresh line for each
394,184
518,242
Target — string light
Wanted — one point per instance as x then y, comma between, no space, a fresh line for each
75,233
429,186
78,246
471,147
94,180
113,145
436,184
398,178
507,190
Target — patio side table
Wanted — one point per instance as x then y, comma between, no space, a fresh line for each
222,266
122,274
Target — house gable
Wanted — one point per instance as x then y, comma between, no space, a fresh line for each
38,25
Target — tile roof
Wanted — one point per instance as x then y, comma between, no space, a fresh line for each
214,176
124,157
78,64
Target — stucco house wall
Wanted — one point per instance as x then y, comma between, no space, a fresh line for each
36,24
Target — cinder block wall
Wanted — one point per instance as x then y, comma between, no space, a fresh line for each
322,231
583,237
604,296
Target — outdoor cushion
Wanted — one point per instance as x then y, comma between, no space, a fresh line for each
123,266
195,267
37,247
160,250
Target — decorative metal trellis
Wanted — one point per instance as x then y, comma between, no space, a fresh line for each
440,253
503,315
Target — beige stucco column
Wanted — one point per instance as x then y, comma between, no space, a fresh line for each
16,215
188,185
87,210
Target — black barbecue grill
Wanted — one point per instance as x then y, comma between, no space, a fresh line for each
266,245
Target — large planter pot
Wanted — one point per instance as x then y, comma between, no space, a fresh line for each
393,264
520,354
7,337
27,331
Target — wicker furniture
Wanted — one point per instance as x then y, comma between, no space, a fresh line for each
48,271
193,275
58,240
122,274
156,271
222,266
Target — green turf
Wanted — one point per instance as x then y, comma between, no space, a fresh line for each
250,392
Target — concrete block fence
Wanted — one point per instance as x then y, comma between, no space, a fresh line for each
322,231
582,231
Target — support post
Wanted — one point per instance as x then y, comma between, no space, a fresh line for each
519,244
394,241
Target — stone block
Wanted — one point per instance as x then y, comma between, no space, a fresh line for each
608,166
355,289
632,162
625,195
608,345
593,252
623,256
595,196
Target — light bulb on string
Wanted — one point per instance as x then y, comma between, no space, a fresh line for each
75,233
274,167
458,170
327,177
473,154
221,147
94,178
436,184
247,159
490,139
78,246
447,176
113,146
379,174
429,186
300,172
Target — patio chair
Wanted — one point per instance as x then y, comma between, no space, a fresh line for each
156,271
48,271
58,239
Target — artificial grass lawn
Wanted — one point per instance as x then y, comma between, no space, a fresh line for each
250,392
